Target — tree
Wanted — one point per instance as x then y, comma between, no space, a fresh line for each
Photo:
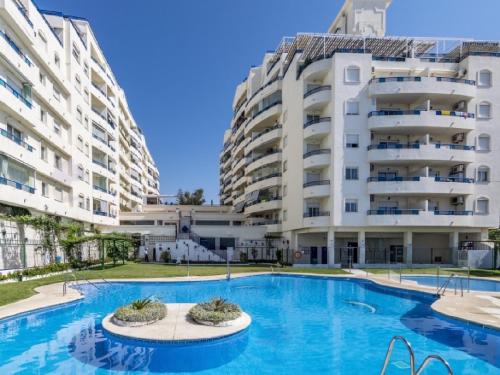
187,198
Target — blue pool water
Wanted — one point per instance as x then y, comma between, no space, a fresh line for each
475,284
301,325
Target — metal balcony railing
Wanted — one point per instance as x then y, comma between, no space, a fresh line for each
395,211
317,121
17,94
394,178
16,139
316,214
317,89
317,152
17,185
316,183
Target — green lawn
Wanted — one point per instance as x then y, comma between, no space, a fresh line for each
442,271
12,292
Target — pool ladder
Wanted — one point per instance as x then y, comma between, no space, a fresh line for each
442,289
67,282
430,358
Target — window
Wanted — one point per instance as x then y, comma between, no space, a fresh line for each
79,143
351,173
86,122
78,83
56,93
285,141
57,60
45,189
81,201
483,174
79,115
87,176
352,107
43,153
58,194
484,110
43,78
285,165
86,95
285,215
86,68
43,116
482,206
76,53
285,190
352,140
483,142
351,205
57,128
352,74
484,78
87,149
87,204
57,162
80,172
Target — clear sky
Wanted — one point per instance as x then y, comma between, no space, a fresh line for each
180,61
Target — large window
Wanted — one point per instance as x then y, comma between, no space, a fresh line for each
483,142
352,74
483,174
351,173
208,242
352,107
484,110
351,205
226,242
482,206
352,140
484,78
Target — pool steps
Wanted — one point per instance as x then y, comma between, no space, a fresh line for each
427,360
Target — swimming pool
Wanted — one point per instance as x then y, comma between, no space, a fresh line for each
301,325
481,285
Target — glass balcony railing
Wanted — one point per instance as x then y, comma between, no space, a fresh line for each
17,185
393,178
316,183
17,94
100,188
383,146
417,112
317,152
100,213
16,139
394,211
453,212
316,214
465,180
16,48
22,9
453,146
317,89
317,121
100,163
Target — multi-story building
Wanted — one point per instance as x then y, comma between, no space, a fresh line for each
365,148
69,145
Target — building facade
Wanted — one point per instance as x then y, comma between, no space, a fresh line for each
361,148
69,145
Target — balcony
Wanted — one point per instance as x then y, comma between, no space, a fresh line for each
264,205
317,158
317,128
17,140
316,70
264,118
416,152
13,53
317,98
263,160
316,219
410,121
416,87
270,180
419,217
268,136
17,185
17,94
420,185
266,90
317,189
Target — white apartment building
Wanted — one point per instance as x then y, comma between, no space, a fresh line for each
69,145
364,148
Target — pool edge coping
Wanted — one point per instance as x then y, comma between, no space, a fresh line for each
47,297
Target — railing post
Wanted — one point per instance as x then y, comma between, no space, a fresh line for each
437,279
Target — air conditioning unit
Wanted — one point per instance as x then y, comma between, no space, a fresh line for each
457,200
458,138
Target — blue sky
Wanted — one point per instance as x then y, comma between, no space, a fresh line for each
179,61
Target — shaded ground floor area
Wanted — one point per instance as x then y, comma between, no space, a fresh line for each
365,248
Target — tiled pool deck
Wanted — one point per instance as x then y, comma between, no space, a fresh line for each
481,308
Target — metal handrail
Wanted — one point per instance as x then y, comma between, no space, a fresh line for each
443,287
389,353
434,357
425,362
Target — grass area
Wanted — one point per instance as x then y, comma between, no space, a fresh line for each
442,271
11,292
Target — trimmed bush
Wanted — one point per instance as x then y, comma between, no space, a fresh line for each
215,311
141,311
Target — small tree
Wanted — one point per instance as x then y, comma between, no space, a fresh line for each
254,253
187,198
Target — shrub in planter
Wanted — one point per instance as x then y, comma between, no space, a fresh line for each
215,312
139,312
165,256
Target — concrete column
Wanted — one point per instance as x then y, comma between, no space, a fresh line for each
484,234
331,247
361,247
294,245
408,243
454,247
